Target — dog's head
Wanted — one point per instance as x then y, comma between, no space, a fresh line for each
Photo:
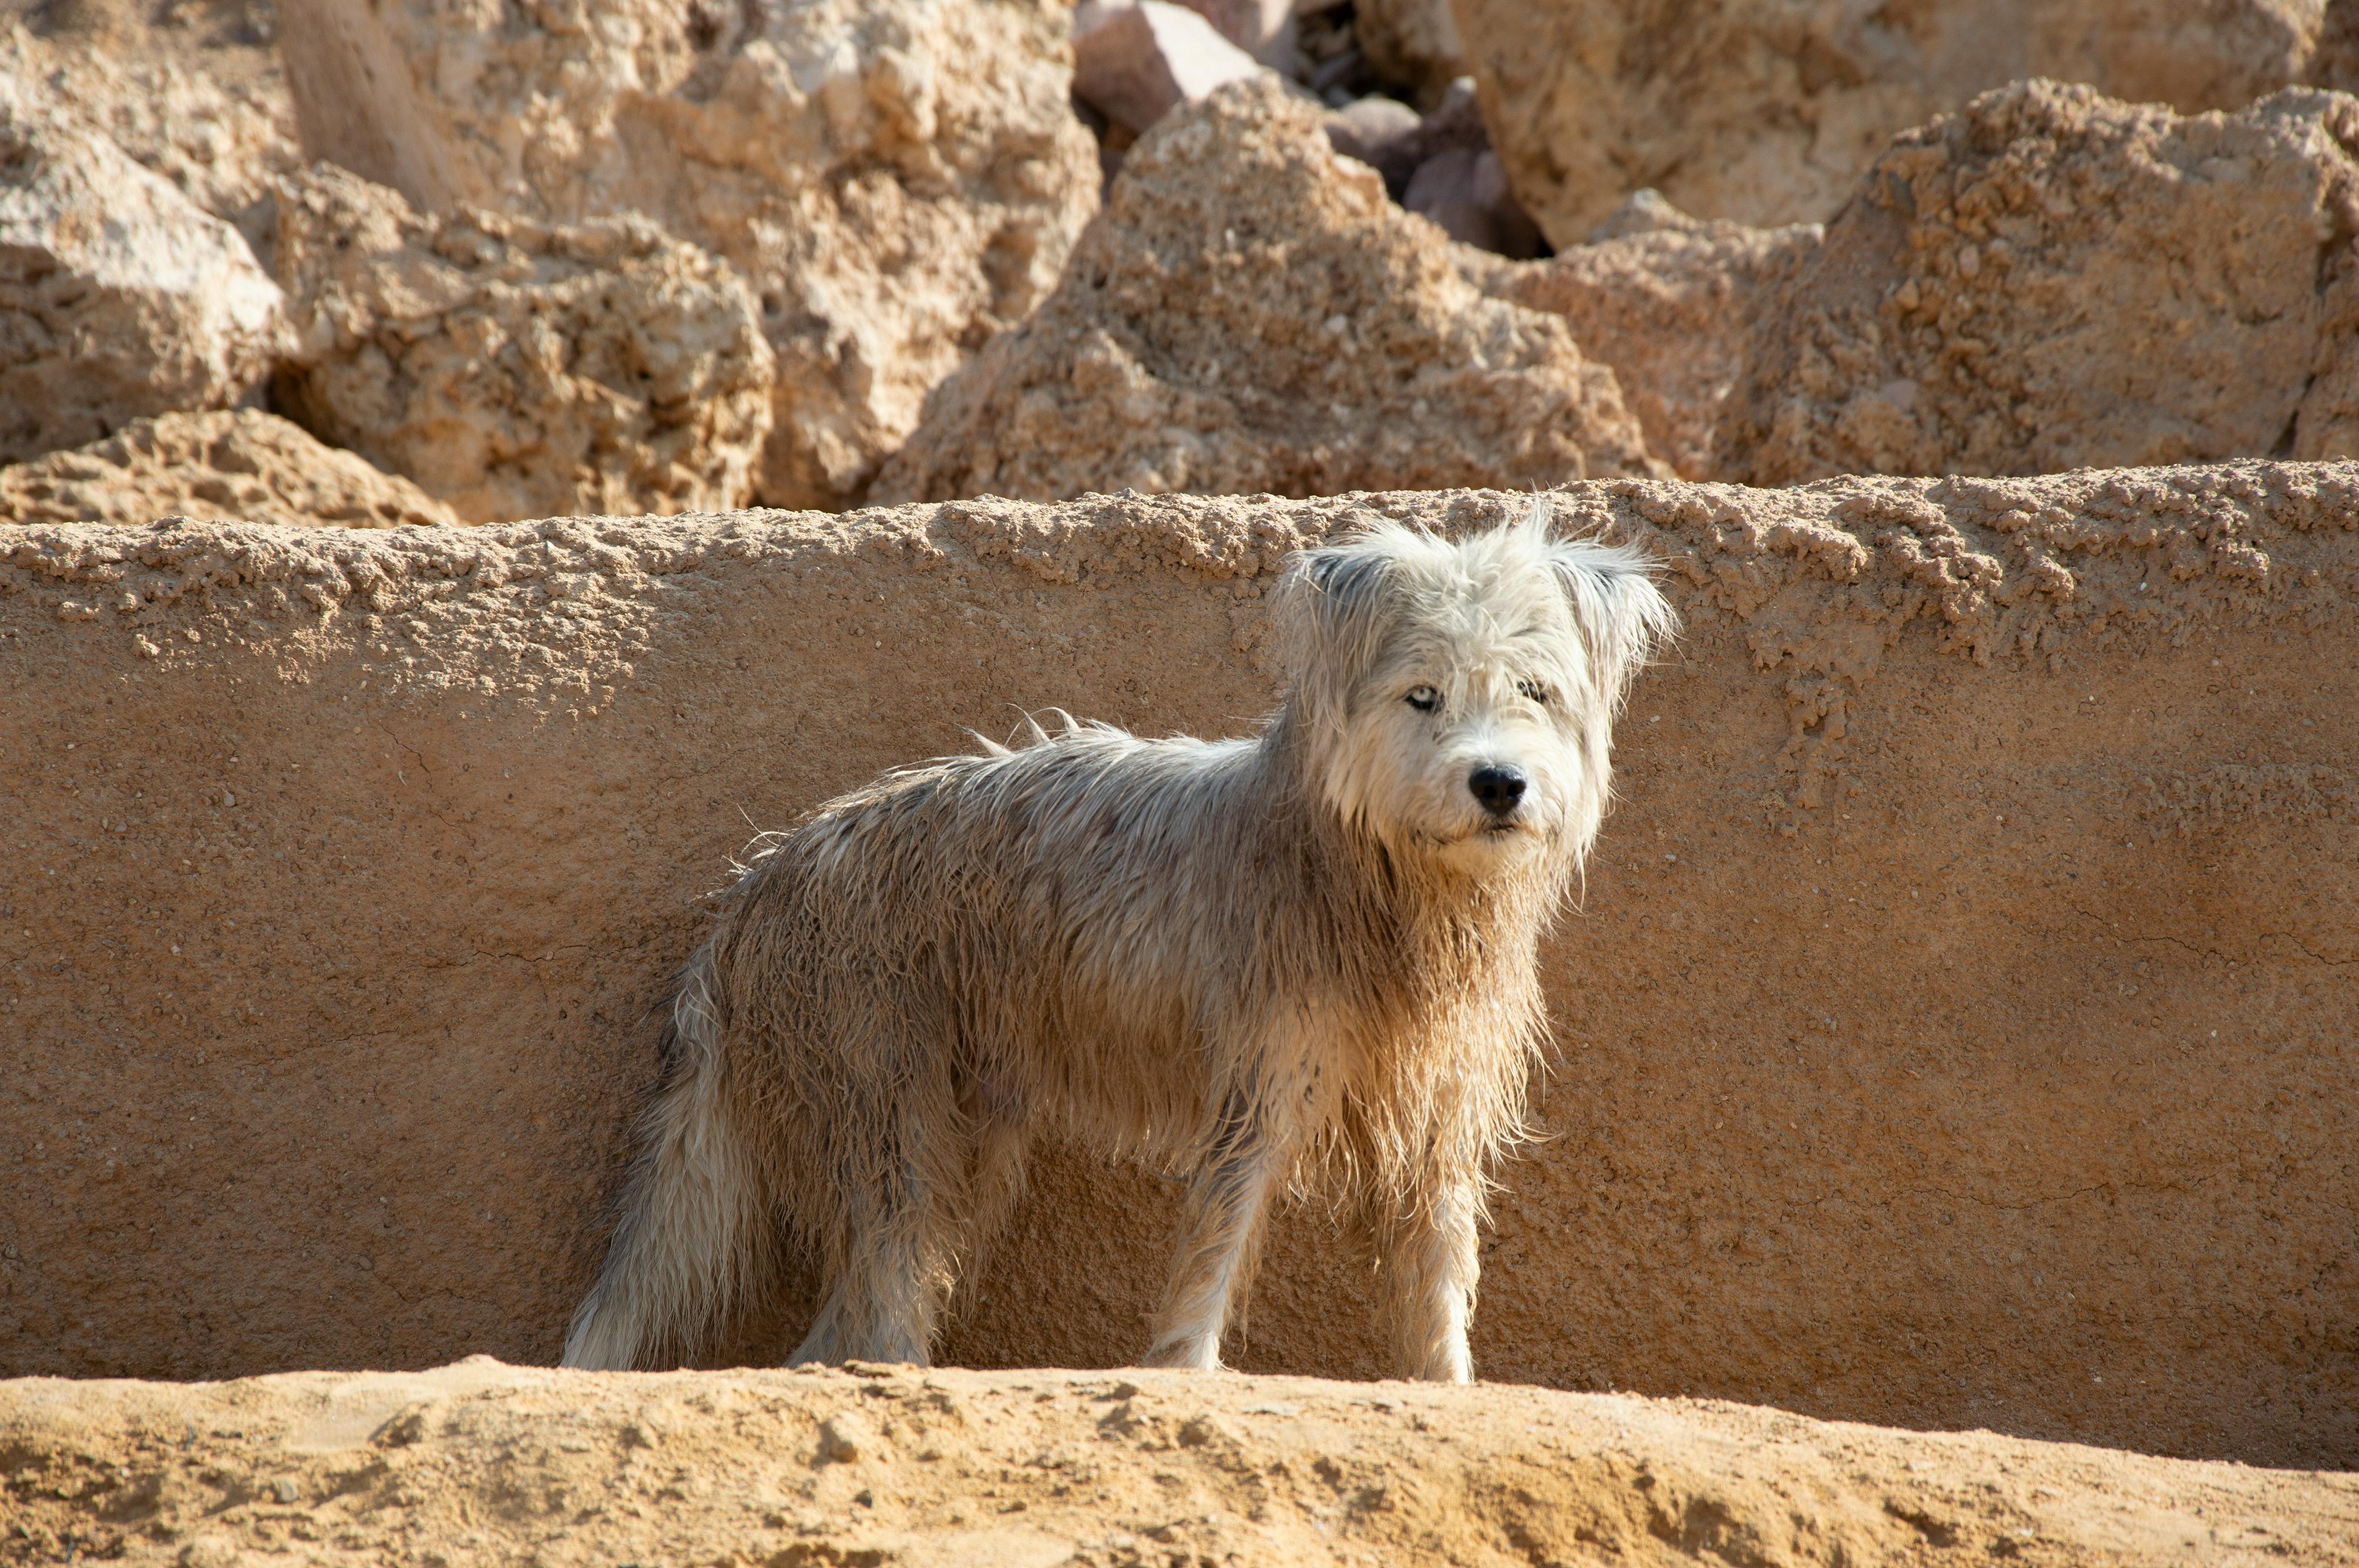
1457,700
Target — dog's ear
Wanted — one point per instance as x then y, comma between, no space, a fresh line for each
1623,616
1335,603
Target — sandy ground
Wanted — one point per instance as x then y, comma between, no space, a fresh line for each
481,1463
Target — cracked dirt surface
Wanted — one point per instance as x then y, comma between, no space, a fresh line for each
1957,1032
479,1463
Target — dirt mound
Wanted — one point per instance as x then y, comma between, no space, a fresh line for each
1955,1032
2052,280
1767,114
240,464
1328,341
897,179
517,369
479,1461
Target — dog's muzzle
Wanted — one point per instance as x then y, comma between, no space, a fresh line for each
1498,790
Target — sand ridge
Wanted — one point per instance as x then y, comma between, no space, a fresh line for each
483,1463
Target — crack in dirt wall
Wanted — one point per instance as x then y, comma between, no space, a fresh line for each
1956,1030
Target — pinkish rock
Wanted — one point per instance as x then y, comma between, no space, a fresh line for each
1263,29
1135,60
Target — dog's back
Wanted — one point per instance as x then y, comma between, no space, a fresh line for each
1024,936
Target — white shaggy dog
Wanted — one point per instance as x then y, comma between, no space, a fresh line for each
1306,957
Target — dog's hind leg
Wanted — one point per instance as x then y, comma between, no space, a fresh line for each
885,1304
694,1227
901,1204
995,1185
1227,1202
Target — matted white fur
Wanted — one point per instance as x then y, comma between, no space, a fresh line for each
1309,957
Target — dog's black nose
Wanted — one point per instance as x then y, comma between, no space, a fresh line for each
1499,789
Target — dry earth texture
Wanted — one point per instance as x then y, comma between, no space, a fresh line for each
1958,1030
896,180
1252,312
479,1463
1767,114
238,463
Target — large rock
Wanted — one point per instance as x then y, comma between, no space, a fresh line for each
1667,302
1765,114
1955,1032
479,1461
240,464
899,179
119,297
1252,313
2052,280
224,144
520,369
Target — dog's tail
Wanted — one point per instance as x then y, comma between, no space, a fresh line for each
690,1231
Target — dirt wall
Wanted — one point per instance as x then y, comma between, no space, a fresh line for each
1958,1030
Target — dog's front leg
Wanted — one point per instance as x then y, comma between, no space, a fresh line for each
1431,1264
1227,1201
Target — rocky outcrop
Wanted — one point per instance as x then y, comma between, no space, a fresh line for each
950,1469
119,297
897,180
1954,1030
223,144
1765,115
2052,280
518,369
1666,301
240,464
1328,341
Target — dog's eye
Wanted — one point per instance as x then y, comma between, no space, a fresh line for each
1534,691
1424,698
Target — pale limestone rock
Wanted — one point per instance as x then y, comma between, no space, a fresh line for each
222,144
518,369
1328,342
237,464
899,181
1666,300
119,297
2053,280
1765,115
